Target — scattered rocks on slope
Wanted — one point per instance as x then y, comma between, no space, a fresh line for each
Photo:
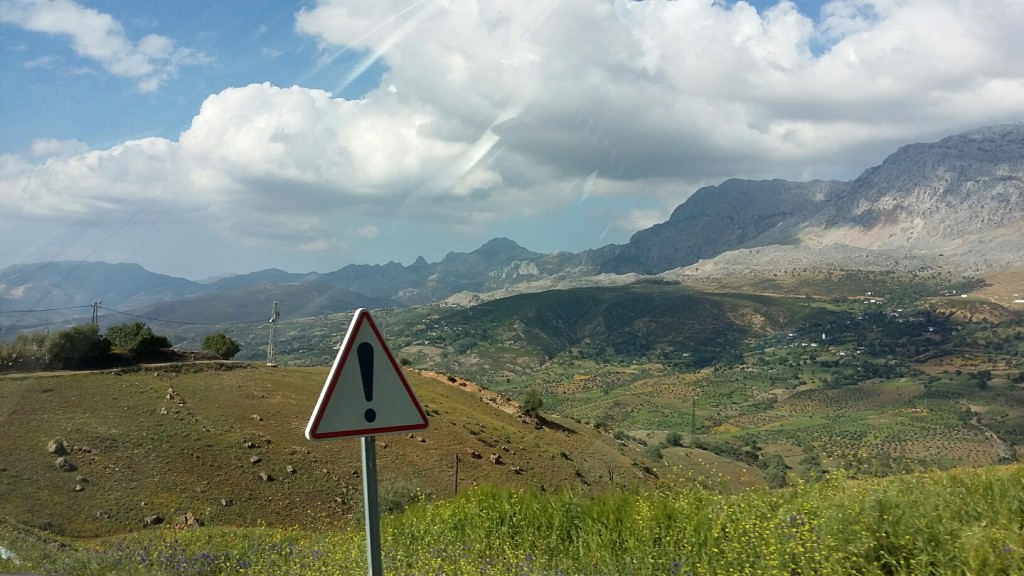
57,447
154,520
497,460
188,521
64,464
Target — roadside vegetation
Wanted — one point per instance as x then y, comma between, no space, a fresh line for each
958,522
83,347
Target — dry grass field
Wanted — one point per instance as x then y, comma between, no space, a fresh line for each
196,438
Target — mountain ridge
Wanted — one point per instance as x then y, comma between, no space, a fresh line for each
956,204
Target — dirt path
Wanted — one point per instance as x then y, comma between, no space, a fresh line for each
491,397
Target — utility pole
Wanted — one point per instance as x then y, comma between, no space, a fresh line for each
693,420
271,356
96,312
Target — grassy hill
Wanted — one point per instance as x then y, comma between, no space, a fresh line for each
195,437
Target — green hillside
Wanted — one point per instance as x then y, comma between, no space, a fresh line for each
660,322
856,383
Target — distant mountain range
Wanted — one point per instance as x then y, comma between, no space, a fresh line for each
957,204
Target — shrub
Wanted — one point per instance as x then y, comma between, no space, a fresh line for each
75,346
25,352
221,345
674,438
395,496
136,338
774,468
654,451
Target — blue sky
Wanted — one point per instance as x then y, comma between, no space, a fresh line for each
46,79
201,137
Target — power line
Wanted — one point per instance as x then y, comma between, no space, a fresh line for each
44,309
150,318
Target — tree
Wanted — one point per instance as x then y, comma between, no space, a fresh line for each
983,376
73,347
221,345
137,338
532,403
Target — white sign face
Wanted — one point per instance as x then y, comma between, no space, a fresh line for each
366,393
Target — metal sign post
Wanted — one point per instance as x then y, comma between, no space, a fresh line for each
371,509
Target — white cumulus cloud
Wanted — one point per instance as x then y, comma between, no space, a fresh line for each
97,36
509,108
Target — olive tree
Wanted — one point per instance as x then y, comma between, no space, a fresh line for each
531,403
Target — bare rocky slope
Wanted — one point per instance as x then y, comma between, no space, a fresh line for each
958,203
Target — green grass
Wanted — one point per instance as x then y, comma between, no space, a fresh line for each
960,522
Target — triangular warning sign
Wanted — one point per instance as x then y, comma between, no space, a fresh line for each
366,393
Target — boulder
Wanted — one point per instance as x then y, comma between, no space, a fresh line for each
188,521
57,447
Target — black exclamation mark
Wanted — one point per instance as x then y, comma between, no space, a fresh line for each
365,352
